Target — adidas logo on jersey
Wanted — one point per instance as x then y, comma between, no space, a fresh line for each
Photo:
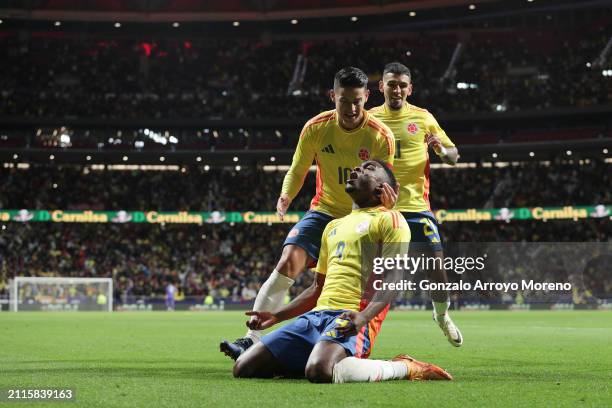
328,149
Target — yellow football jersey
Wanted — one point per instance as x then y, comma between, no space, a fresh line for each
336,152
342,253
411,166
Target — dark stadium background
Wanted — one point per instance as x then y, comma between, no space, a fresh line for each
171,106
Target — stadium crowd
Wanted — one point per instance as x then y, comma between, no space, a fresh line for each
233,78
51,187
225,261
128,77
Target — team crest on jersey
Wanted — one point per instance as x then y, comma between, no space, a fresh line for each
364,154
362,227
412,128
294,233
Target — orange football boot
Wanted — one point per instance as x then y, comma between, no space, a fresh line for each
418,370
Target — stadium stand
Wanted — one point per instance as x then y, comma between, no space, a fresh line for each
50,187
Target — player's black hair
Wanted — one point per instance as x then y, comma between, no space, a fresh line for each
396,68
391,180
350,77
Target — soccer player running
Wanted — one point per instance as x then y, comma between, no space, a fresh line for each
337,324
415,130
338,141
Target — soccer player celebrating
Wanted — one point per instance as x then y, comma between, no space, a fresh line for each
415,130
336,326
338,141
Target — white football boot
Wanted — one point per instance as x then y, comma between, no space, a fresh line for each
449,329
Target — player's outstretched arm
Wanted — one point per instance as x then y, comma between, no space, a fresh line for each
294,179
303,303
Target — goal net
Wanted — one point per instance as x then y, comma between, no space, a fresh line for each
61,294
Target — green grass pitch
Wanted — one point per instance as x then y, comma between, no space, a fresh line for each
161,359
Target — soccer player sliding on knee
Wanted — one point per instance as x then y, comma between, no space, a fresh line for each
337,323
337,141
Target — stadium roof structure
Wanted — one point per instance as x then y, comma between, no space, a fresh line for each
253,8
232,10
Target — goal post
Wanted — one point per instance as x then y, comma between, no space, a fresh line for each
60,294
